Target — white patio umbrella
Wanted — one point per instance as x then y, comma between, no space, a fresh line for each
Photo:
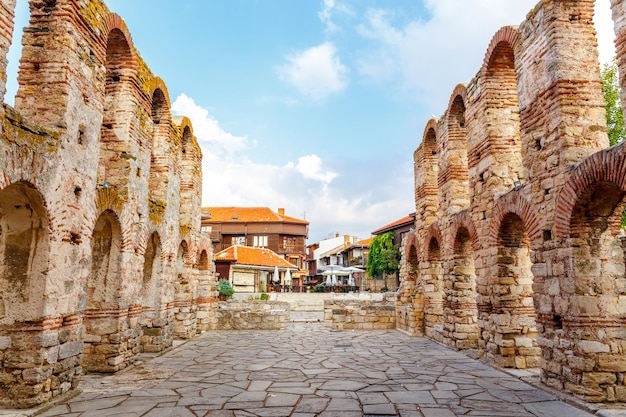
352,269
287,277
275,278
328,281
334,279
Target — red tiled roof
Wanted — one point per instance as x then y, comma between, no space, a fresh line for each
400,222
245,214
246,255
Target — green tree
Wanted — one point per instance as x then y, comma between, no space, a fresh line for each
614,114
384,256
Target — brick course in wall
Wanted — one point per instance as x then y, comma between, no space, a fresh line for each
530,269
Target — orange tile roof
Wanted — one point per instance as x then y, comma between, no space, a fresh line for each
245,214
365,242
405,220
246,255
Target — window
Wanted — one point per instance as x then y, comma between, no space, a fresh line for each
289,244
260,241
295,261
238,240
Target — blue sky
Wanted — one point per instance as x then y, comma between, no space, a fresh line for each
314,105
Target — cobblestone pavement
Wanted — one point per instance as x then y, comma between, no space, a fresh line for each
310,370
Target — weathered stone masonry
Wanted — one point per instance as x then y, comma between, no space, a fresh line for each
518,250
100,247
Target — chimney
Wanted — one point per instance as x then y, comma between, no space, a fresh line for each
281,211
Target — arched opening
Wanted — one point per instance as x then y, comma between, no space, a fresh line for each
413,263
115,153
496,158
453,174
152,274
203,262
188,177
159,168
462,322
433,292
596,312
101,294
24,252
513,317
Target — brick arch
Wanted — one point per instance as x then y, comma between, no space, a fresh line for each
606,166
155,85
507,35
453,175
425,174
433,124
187,261
181,123
459,91
143,233
434,232
411,240
463,219
25,237
114,21
515,203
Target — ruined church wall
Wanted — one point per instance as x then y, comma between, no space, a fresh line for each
530,272
89,250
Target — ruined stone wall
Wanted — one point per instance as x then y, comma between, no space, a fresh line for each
250,315
529,268
360,314
99,205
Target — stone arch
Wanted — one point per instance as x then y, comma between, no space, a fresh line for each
517,204
189,173
161,133
461,328
499,144
432,277
463,219
604,166
119,104
152,275
24,253
426,174
203,261
412,259
106,247
112,22
453,177
512,320
102,294
591,311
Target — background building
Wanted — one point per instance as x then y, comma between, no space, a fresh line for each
259,227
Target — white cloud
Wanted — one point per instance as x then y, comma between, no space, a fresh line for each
305,188
428,57
310,166
326,15
316,72
206,128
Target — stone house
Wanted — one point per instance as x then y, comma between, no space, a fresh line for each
101,255
518,250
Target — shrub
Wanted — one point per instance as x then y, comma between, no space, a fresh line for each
225,289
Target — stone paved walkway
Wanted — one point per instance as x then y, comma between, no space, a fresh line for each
310,370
